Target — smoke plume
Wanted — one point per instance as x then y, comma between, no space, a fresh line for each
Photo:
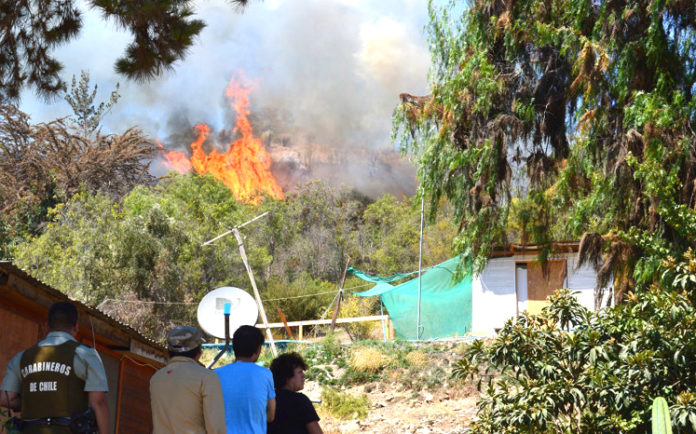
326,77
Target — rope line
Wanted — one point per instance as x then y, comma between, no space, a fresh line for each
189,303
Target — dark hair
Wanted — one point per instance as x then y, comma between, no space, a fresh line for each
246,340
283,368
191,354
62,316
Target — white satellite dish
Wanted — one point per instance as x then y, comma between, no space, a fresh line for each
211,317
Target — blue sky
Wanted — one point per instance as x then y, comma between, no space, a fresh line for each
331,70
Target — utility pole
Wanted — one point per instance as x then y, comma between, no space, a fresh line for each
242,252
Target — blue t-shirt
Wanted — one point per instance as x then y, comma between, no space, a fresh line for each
246,389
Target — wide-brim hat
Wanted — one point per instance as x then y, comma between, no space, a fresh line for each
184,338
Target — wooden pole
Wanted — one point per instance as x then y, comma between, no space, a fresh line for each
242,252
340,296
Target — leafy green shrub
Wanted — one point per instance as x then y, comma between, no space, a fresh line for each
598,374
303,298
352,376
356,306
344,406
321,357
322,374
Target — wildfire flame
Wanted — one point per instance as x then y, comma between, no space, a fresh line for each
175,159
245,167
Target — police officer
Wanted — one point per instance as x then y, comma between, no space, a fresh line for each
56,381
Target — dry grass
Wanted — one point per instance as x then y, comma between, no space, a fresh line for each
367,359
417,358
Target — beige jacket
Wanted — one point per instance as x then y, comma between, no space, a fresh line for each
186,398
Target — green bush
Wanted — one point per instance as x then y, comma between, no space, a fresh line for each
303,298
598,374
321,357
344,406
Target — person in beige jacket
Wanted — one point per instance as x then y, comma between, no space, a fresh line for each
186,397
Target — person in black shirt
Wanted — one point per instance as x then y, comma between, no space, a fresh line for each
295,413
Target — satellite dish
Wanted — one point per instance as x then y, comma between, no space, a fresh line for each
243,310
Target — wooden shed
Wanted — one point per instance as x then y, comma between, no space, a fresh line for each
129,358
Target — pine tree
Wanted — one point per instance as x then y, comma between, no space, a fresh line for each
163,30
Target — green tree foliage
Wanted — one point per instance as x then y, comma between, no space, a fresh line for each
313,231
601,375
561,118
302,298
141,257
29,30
388,241
87,117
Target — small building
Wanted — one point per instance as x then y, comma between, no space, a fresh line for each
513,281
130,358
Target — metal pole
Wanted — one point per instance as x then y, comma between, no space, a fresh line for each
227,309
419,329
269,335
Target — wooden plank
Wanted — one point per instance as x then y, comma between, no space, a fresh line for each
135,414
540,285
18,334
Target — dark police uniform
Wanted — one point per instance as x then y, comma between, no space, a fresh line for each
53,378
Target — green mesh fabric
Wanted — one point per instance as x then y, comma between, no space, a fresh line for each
378,279
445,304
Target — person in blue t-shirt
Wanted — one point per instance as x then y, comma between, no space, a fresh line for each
247,388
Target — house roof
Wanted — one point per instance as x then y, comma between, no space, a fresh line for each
32,295
529,249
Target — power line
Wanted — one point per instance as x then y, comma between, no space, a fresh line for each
190,303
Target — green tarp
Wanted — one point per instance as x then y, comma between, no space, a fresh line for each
378,279
445,304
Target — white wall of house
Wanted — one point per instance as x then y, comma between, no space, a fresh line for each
493,291
493,295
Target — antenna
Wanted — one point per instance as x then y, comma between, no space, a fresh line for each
211,311
242,253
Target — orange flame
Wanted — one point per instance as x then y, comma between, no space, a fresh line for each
245,167
175,159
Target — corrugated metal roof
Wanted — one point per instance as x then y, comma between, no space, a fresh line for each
555,246
10,268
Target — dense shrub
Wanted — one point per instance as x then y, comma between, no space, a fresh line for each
570,370
343,405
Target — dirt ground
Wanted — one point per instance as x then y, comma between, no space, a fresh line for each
448,409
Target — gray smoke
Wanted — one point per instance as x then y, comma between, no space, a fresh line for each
326,75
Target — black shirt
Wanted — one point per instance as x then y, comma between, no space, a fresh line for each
293,412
